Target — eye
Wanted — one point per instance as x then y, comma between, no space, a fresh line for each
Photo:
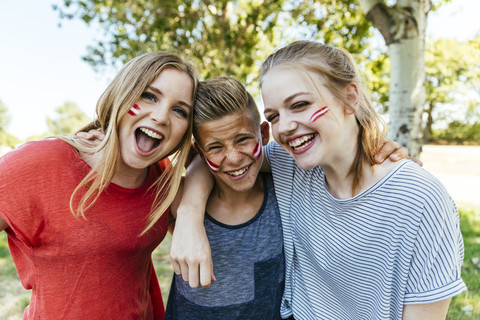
214,149
243,139
149,96
181,112
271,117
300,105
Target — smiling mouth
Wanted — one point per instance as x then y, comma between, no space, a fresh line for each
302,142
238,172
147,140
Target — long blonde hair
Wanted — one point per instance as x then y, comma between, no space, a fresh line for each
123,92
338,67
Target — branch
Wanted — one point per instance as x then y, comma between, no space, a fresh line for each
381,17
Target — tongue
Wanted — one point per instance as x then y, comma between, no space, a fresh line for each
144,142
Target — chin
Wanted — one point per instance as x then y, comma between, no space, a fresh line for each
306,165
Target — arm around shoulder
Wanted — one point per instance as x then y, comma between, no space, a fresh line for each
190,252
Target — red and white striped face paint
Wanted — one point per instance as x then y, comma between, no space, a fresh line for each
257,151
319,113
134,111
214,167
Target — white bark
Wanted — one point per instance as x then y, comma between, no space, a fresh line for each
403,28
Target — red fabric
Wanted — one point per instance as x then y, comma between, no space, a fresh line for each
97,268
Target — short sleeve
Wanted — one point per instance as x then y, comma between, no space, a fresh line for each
435,270
268,151
18,194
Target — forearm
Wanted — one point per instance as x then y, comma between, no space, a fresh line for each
428,311
190,252
198,184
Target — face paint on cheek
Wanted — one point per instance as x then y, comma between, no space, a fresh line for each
318,114
257,151
212,165
135,110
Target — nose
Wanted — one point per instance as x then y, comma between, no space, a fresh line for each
160,114
286,125
232,155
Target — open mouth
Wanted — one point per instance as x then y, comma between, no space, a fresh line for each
238,173
147,140
301,143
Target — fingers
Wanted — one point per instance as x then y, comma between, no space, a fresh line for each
206,273
420,163
85,135
193,272
390,148
97,134
399,153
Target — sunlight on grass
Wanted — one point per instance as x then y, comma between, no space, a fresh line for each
466,306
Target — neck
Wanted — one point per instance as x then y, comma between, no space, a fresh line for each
233,207
337,167
124,176
130,178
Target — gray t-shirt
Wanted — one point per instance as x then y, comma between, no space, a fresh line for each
248,264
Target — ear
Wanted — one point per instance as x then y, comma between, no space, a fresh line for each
265,132
199,150
352,95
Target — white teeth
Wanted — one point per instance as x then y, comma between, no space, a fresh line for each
298,142
238,172
151,134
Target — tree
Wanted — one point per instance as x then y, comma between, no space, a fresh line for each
402,25
222,36
69,119
452,68
6,139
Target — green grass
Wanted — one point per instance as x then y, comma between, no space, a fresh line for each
465,306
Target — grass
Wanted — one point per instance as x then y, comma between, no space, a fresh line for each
465,306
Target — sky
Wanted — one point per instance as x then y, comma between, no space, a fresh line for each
41,65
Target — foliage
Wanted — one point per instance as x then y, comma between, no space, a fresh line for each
222,37
458,132
452,68
69,119
6,139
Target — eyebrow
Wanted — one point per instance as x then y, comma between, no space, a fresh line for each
290,98
158,91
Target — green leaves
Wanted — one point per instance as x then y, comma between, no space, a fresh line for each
221,37
69,119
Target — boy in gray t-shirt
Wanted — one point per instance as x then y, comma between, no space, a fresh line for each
242,220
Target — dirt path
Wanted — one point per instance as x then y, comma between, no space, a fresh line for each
458,168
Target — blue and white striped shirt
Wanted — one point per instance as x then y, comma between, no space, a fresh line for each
397,243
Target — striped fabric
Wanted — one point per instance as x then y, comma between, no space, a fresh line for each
397,243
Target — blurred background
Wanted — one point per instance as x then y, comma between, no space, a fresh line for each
57,57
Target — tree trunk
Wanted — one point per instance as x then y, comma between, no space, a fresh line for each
403,28
427,131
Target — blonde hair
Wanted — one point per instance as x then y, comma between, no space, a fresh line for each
221,96
338,67
115,102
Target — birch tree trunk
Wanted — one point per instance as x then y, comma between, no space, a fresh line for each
403,25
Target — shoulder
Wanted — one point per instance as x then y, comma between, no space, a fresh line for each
46,150
425,190
420,181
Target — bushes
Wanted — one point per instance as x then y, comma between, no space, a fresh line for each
457,133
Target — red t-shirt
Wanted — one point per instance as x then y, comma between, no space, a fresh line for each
97,268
